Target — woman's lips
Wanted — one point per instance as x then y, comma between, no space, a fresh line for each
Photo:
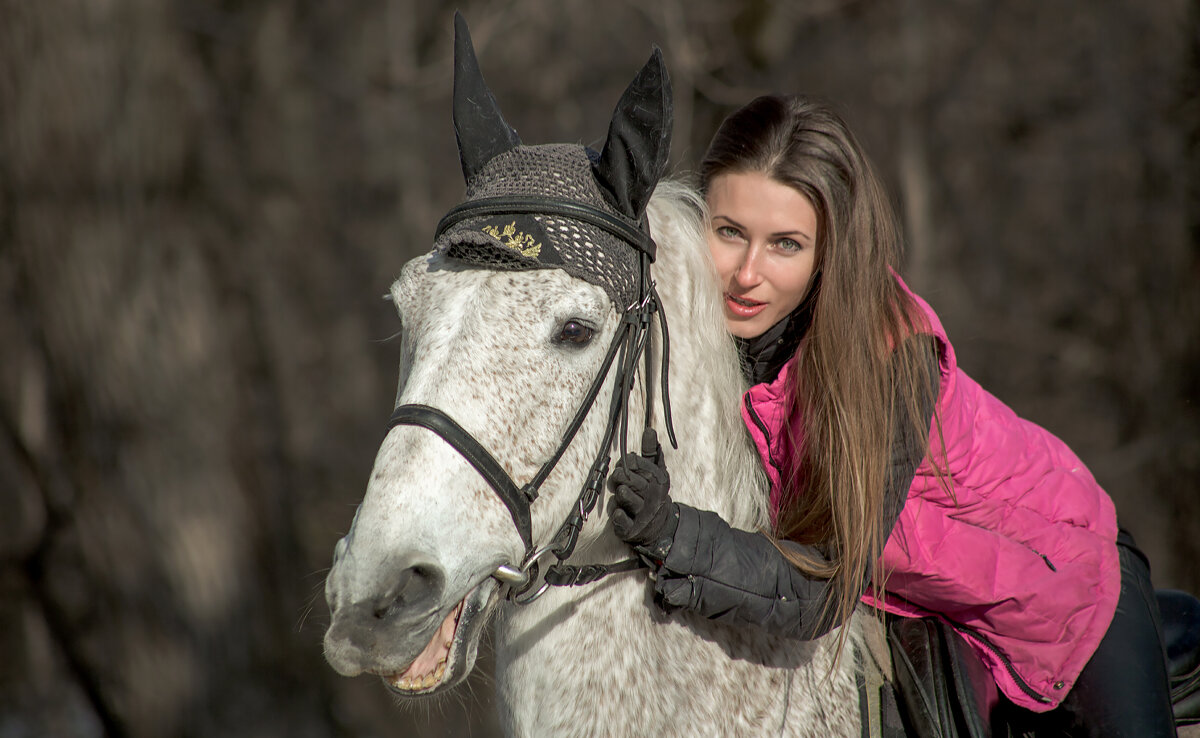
743,307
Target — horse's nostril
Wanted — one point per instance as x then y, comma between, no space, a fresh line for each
426,573
414,586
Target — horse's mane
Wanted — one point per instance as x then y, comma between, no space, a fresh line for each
706,380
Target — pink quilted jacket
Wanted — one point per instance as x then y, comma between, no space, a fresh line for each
1020,555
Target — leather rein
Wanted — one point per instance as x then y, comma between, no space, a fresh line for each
630,342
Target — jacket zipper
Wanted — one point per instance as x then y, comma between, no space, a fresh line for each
763,428
1045,558
1012,672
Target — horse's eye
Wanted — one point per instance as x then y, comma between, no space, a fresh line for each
576,333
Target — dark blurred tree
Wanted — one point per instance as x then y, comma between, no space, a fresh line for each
201,202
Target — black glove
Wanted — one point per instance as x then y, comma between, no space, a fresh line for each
641,509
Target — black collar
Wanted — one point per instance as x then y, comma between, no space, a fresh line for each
763,356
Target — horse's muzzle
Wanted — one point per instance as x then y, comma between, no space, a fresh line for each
384,625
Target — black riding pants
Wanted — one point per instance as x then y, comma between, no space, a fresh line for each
1123,690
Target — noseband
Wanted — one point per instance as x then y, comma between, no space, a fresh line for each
629,343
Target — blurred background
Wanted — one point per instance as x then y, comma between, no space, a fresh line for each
201,204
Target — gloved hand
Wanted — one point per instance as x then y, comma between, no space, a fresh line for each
641,508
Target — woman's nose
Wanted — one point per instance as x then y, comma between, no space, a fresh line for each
747,273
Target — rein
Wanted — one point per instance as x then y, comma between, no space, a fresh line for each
630,342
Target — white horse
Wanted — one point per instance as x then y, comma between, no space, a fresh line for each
592,660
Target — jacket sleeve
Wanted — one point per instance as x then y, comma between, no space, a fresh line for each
739,577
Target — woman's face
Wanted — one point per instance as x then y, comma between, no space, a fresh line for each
763,239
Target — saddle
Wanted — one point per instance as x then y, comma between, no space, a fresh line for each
943,690
1181,637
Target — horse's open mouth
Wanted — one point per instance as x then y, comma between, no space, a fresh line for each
450,653
429,668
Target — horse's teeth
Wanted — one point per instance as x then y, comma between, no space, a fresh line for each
429,681
405,683
441,671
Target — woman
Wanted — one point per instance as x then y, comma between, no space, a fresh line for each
895,478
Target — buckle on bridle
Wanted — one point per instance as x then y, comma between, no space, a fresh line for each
642,308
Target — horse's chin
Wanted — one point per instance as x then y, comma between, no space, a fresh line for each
450,654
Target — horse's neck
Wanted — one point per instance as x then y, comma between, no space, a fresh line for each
601,661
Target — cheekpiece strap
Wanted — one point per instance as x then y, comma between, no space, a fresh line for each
635,236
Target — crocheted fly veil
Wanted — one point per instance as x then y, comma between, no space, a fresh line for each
557,206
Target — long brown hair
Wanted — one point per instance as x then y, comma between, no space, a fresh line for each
855,373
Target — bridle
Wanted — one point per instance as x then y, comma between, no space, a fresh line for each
630,342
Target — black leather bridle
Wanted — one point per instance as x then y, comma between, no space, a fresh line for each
629,344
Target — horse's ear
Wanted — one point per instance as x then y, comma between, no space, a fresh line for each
481,131
639,140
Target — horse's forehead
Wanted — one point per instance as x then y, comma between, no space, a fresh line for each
429,289
545,290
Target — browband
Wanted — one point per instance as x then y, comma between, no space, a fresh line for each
635,236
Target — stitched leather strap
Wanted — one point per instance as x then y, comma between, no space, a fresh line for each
516,500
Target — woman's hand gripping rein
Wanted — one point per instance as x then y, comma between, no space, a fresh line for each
642,512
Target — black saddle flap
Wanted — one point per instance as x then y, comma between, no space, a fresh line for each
1181,630
1180,614
944,689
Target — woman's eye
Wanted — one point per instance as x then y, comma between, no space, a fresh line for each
787,244
726,232
576,333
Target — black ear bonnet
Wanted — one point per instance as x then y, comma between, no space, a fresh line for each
559,206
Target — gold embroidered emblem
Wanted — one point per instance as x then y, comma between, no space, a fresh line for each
511,238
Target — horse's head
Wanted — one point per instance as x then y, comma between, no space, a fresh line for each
507,323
